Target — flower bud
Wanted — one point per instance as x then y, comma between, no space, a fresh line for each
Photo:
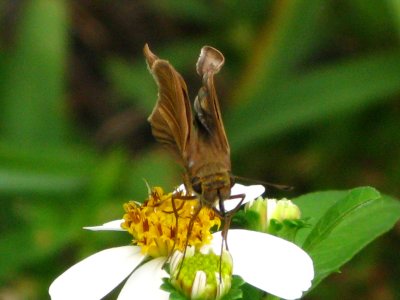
283,209
278,217
200,276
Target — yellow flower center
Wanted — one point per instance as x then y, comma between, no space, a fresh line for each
155,228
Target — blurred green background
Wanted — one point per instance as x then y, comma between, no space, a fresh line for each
310,95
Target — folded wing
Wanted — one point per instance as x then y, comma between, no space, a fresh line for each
171,119
208,114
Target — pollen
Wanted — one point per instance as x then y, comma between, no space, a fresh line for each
158,228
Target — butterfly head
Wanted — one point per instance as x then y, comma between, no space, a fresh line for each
213,188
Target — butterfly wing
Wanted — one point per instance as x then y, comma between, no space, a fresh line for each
171,119
208,115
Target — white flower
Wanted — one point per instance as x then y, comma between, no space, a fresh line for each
264,261
269,263
97,275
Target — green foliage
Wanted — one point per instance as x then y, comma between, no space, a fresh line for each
174,294
33,86
307,99
342,224
236,289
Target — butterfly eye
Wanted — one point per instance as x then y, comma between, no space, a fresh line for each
196,185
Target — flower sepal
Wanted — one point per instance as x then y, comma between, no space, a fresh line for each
174,294
235,292
286,229
277,217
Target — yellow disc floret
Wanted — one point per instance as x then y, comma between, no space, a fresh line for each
158,228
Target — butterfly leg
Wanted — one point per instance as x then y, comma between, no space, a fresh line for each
175,210
227,217
189,231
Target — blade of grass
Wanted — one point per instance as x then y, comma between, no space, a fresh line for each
394,9
286,39
134,81
323,93
33,91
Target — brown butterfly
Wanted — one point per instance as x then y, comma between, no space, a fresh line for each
198,141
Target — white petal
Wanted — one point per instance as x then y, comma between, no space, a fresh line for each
180,188
175,260
269,263
145,282
97,275
112,226
271,206
199,284
252,192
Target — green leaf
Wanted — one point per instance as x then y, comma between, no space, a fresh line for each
70,159
105,179
49,170
288,37
371,20
174,294
192,10
133,81
155,168
33,90
23,182
346,226
394,10
251,293
177,296
235,292
313,206
36,227
323,93
353,201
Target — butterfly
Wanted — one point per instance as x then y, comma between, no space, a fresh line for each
196,138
